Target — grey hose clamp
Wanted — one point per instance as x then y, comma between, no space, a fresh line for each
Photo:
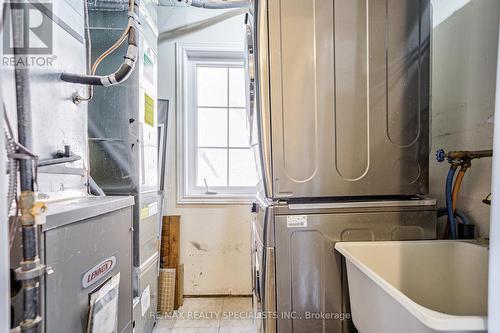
30,274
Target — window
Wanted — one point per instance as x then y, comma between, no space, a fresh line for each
217,160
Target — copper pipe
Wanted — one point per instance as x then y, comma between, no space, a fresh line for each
467,156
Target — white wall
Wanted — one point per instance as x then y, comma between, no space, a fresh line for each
463,96
494,287
442,9
215,239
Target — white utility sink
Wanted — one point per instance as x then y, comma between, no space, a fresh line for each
417,286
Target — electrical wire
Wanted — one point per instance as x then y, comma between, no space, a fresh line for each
15,151
10,148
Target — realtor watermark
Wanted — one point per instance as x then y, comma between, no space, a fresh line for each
244,315
32,44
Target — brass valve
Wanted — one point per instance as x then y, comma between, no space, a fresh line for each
462,157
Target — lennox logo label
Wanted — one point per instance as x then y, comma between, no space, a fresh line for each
98,272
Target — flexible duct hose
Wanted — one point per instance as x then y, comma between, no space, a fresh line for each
10,147
449,201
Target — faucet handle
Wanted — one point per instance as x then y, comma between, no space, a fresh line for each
440,155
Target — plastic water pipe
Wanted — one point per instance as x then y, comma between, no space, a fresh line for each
449,201
461,158
456,191
457,185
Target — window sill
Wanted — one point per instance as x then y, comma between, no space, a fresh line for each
216,200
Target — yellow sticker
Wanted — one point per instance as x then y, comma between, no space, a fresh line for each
149,110
144,212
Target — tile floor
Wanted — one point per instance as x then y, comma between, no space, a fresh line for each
210,315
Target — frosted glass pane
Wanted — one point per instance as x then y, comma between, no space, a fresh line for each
237,97
212,86
212,166
242,168
212,127
239,135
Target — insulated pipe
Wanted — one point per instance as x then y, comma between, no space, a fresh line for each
128,65
24,120
218,4
449,203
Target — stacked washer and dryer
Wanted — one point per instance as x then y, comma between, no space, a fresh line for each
339,107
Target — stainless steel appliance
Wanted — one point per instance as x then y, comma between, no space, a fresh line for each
56,120
338,104
124,140
299,280
80,237
339,97
148,279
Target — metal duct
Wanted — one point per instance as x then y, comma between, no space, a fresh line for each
196,26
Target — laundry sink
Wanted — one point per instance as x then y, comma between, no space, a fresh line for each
417,286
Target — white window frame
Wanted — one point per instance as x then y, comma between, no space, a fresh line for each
188,56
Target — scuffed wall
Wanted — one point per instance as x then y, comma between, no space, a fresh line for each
215,239
463,97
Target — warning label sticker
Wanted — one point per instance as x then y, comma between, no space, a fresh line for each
296,221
